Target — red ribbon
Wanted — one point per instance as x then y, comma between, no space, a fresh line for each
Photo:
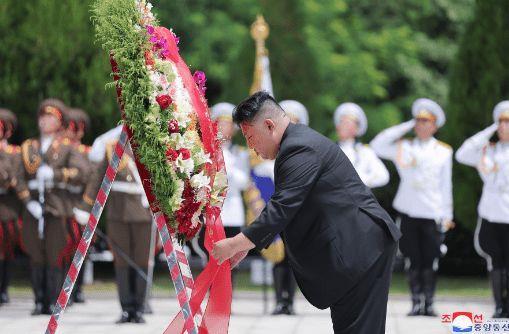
214,277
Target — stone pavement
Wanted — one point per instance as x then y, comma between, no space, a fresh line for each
98,314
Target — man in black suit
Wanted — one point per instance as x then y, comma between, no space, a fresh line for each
340,242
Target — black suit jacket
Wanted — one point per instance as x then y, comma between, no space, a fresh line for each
334,228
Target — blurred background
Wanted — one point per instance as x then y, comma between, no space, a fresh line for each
380,54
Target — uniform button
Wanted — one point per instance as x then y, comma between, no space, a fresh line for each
129,178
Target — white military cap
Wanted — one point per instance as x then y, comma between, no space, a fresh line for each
500,111
222,110
295,109
426,108
354,111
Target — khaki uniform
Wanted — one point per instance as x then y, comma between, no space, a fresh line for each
128,227
47,255
10,208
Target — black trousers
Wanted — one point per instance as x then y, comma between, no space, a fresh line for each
284,282
493,240
420,242
363,309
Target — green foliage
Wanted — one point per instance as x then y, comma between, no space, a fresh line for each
114,21
479,80
48,50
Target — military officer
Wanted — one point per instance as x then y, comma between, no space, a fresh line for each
424,196
10,206
351,123
491,158
49,163
77,126
128,224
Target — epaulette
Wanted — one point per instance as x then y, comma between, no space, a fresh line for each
82,148
447,146
12,149
66,141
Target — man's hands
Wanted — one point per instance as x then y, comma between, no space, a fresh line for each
235,260
223,250
235,248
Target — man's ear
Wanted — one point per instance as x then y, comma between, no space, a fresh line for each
269,124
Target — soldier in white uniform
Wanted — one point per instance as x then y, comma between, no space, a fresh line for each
351,123
236,162
492,233
424,196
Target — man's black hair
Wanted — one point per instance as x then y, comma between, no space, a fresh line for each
247,110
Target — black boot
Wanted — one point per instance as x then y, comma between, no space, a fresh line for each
429,285
54,282
124,294
278,274
505,296
140,291
37,276
497,286
4,281
77,294
289,288
414,281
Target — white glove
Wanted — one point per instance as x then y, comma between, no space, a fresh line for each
81,216
144,201
35,209
45,173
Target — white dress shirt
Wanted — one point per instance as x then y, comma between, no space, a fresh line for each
492,163
237,168
425,170
370,168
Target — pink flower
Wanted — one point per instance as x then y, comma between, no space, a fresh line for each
150,29
200,79
164,101
173,126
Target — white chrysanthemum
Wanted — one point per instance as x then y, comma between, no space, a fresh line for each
185,166
190,138
201,195
200,157
200,180
177,141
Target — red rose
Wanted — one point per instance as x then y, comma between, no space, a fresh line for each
149,59
164,101
186,154
173,126
171,154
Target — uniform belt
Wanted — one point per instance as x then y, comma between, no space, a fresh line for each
127,187
34,185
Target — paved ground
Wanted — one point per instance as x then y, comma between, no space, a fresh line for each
99,313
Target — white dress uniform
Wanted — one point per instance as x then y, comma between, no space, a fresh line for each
491,159
425,170
237,169
236,162
370,168
424,198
